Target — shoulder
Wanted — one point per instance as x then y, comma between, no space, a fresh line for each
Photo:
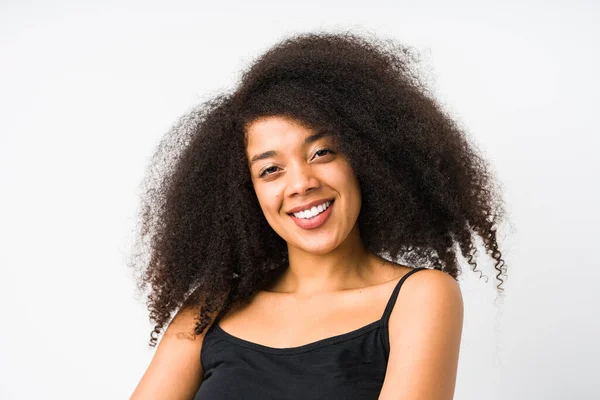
431,284
424,294
175,370
425,330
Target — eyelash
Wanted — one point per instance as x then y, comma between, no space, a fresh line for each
263,173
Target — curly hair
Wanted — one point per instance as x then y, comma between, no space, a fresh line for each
204,242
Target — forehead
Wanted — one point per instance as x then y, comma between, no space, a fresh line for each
273,130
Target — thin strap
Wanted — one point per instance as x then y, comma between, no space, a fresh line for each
388,310
392,300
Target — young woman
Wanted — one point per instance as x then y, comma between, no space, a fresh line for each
274,231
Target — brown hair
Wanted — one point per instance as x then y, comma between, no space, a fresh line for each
425,188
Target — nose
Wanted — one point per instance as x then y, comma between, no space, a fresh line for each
301,179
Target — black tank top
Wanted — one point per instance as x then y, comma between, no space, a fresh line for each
347,366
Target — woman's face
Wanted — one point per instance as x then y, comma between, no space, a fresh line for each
292,166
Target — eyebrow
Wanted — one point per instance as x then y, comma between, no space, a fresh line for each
272,153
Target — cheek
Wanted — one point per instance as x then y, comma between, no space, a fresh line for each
269,200
352,188
347,179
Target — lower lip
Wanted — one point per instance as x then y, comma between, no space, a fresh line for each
315,222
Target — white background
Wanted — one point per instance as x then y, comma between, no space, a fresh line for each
87,91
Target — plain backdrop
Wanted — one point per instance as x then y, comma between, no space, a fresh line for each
87,91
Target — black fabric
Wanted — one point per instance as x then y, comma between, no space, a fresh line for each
347,366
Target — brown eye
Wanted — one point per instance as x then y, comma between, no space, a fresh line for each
264,172
327,150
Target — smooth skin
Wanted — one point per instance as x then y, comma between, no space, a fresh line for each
292,167
175,372
425,329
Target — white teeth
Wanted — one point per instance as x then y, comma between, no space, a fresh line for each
313,211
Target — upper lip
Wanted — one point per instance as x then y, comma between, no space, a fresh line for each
307,206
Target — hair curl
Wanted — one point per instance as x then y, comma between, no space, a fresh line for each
204,242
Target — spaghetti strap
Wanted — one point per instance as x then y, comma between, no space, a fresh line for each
388,310
392,300
350,365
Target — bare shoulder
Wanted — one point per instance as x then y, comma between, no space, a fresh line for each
432,284
175,371
426,294
425,330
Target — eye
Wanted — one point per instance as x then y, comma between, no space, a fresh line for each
264,172
327,150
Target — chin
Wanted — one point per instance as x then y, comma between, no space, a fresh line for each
317,248
319,251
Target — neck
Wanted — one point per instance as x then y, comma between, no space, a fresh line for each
349,265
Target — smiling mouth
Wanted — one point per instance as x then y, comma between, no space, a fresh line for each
315,216
313,222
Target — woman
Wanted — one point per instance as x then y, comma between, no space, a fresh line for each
268,227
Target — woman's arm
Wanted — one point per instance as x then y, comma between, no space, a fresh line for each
175,372
425,329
